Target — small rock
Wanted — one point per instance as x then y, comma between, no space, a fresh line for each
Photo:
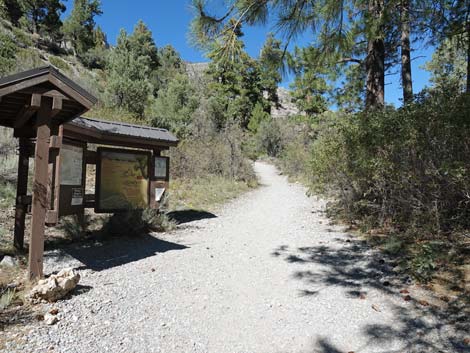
50,319
407,298
54,311
9,261
376,308
55,287
445,298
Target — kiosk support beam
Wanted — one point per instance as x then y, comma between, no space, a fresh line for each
40,202
21,192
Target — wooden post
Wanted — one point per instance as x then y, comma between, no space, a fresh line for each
40,203
21,192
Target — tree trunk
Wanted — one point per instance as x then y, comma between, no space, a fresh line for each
375,61
406,78
375,68
467,88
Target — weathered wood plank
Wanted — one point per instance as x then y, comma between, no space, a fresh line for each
40,203
21,192
27,112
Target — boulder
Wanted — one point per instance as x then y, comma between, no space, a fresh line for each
55,287
9,261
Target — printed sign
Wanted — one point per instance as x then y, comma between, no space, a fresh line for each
161,167
159,194
77,197
71,165
123,179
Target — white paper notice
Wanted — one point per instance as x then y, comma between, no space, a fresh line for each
71,165
159,193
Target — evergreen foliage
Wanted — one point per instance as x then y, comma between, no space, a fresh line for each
174,107
43,16
128,84
7,54
80,25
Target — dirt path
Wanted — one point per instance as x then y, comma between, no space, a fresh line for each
268,274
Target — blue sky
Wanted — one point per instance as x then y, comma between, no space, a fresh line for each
169,22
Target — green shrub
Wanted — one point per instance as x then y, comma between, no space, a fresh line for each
27,59
269,137
136,223
6,298
393,245
7,194
407,168
22,37
75,227
212,154
95,58
7,54
60,64
424,262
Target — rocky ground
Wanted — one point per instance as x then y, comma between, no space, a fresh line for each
268,273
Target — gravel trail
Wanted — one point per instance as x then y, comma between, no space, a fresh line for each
268,274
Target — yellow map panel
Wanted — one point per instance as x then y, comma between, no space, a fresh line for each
124,180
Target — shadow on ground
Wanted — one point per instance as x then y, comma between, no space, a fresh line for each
102,255
186,216
352,265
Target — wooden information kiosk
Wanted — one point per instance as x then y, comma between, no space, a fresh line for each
44,107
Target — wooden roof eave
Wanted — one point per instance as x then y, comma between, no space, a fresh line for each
41,75
105,138
45,81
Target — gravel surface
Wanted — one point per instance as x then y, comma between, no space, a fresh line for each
268,273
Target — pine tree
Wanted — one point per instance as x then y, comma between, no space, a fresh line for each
128,84
170,65
235,77
309,86
174,107
12,11
142,43
341,28
271,64
80,25
43,16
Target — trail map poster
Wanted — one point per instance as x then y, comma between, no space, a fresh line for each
71,165
123,179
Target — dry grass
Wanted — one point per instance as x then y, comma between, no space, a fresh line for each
204,193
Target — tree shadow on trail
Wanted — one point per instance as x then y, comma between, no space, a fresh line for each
117,251
350,264
187,216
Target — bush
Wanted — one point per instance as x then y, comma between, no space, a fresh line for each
60,64
7,54
137,222
95,58
212,154
405,168
75,227
269,137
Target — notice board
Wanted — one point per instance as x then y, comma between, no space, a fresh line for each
122,180
71,178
